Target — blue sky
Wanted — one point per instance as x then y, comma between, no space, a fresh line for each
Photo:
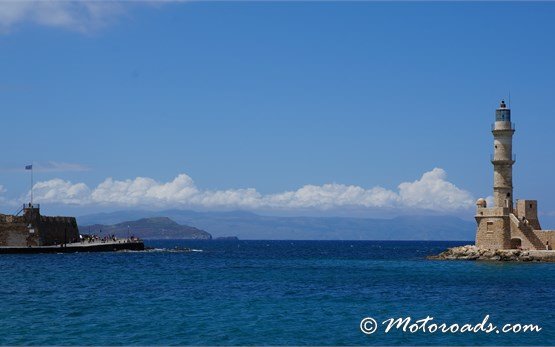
273,97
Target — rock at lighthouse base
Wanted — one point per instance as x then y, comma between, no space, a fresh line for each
470,252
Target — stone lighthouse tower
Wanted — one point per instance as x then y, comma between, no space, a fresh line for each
503,226
494,223
503,158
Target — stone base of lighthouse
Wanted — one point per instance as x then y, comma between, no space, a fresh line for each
507,228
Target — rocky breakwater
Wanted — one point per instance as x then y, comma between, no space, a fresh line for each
470,252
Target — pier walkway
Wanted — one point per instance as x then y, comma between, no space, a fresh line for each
86,246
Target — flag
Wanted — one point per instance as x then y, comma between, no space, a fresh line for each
28,167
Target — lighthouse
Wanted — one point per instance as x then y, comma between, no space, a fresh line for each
504,226
503,159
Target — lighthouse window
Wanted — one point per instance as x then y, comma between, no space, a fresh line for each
509,195
495,146
530,205
489,227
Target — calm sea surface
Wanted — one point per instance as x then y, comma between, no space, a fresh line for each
267,293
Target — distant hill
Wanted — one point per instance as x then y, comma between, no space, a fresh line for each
148,228
246,225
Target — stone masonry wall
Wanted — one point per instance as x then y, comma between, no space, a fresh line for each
502,185
529,210
493,232
58,230
546,236
526,234
32,229
14,231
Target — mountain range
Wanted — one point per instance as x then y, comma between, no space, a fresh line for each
148,228
247,225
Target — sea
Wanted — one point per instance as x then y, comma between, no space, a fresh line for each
272,293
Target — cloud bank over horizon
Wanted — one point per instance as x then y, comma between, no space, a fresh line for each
432,191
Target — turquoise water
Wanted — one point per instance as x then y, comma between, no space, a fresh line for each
267,292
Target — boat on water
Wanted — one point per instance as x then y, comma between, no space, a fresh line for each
30,232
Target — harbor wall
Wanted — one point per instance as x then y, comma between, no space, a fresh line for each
14,231
32,230
58,230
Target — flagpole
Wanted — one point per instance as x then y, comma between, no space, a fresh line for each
31,184
30,167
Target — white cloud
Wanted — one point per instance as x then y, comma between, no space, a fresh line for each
4,202
489,201
144,190
2,199
61,191
50,166
333,195
83,16
431,192
54,166
242,198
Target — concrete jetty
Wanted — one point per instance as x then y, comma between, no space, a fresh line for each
75,247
